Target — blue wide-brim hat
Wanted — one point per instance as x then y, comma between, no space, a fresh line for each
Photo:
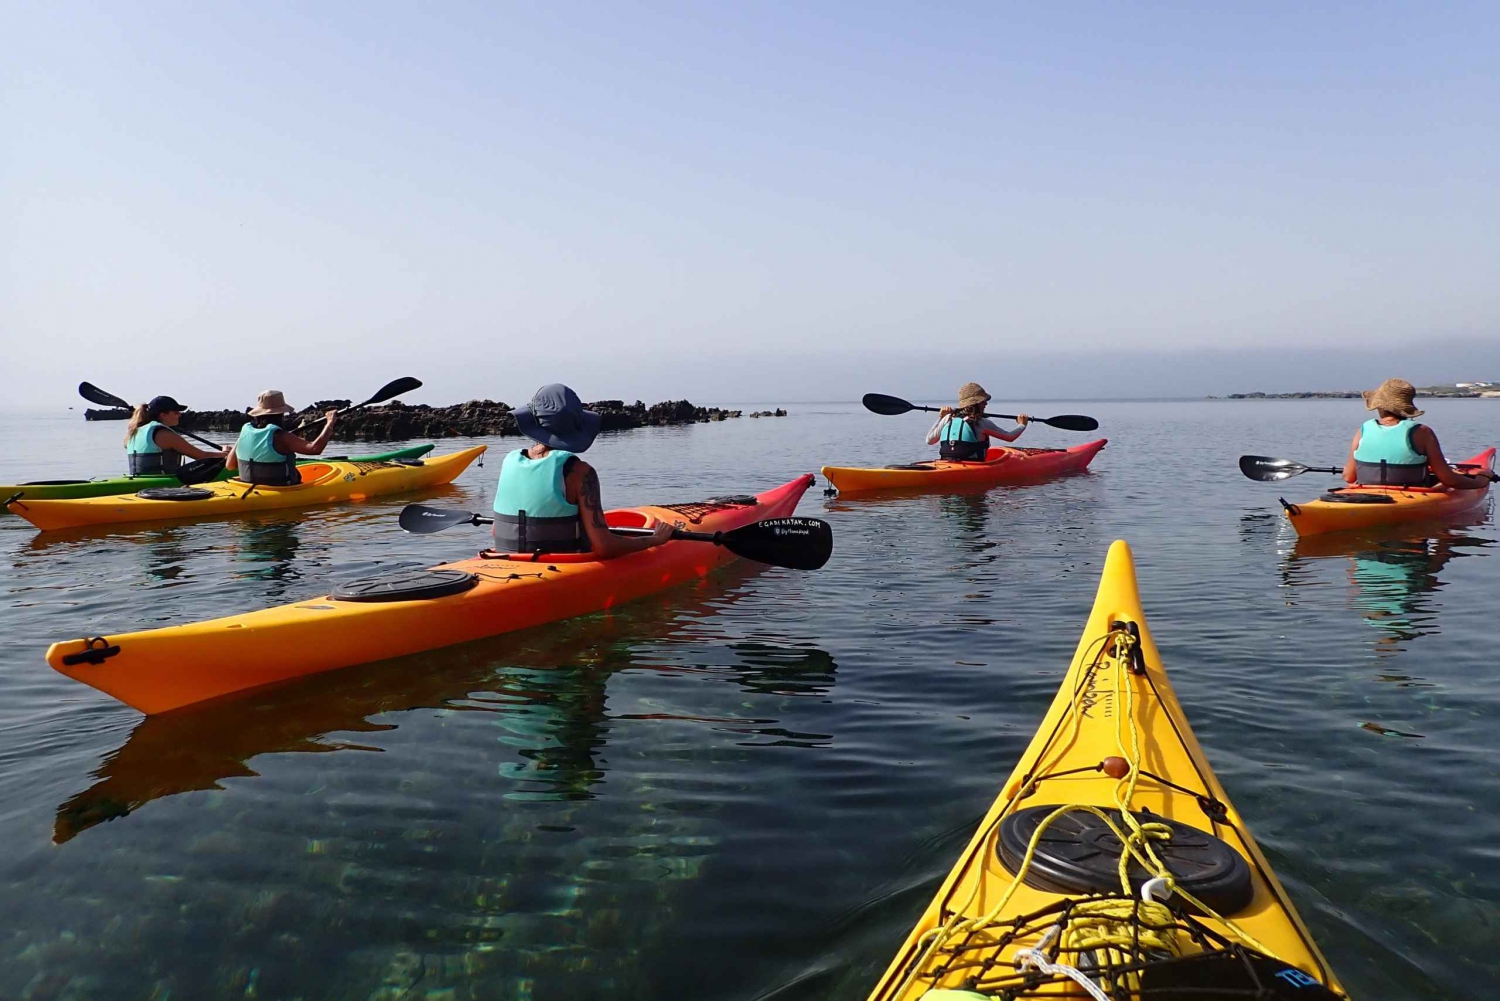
556,418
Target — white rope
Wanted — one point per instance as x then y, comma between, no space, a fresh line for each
1036,957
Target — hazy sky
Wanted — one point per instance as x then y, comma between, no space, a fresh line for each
208,199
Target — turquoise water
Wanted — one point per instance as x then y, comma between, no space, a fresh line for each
748,787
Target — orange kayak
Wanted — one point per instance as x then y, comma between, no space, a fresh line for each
404,612
1003,465
1349,508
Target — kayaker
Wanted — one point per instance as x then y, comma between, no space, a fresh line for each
152,447
266,452
1392,449
962,433
547,499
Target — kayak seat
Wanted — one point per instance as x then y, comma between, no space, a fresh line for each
1335,498
175,493
1080,854
405,585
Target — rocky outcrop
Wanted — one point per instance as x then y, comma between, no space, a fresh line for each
475,419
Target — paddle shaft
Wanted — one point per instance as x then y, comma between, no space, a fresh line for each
1003,417
676,533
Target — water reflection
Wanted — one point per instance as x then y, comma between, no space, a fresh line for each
1393,576
968,513
270,550
545,687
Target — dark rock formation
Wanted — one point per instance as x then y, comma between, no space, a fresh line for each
477,418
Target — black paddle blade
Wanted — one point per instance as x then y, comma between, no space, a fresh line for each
200,471
1269,470
795,543
391,390
1070,422
888,406
94,394
419,519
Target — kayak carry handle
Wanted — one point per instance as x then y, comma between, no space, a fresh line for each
96,651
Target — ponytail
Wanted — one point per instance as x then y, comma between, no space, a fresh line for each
138,420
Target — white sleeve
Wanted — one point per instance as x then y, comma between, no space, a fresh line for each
934,432
990,425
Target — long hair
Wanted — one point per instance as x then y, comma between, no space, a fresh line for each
973,412
139,419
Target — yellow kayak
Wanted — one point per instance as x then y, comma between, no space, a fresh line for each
1038,907
330,482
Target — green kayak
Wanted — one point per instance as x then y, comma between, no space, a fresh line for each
73,489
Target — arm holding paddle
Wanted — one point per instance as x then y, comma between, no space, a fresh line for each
1424,440
290,443
295,443
168,440
987,427
604,543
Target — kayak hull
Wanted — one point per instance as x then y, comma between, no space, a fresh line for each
163,669
1003,465
1406,505
1103,709
329,482
109,486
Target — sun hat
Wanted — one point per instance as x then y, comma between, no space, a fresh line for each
1393,396
271,402
972,394
556,418
163,405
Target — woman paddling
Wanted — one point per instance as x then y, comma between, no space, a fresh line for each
152,448
1392,449
547,500
962,434
266,452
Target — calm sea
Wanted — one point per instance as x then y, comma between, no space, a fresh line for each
749,787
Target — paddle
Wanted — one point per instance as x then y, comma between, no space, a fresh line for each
199,471
890,406
94,394
796,543
1269,470
389,391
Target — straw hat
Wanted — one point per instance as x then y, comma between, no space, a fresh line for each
271,402
1393,396
972,394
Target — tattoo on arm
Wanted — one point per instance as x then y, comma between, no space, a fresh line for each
588,498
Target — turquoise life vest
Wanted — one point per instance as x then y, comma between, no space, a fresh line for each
146,457
961,441
259,461
1385,455
532,511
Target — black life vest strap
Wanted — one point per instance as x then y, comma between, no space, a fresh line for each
520,533
270,474
1390,474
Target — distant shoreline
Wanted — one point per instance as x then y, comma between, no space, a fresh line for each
1431,393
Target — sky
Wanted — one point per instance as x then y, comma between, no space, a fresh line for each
744,201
